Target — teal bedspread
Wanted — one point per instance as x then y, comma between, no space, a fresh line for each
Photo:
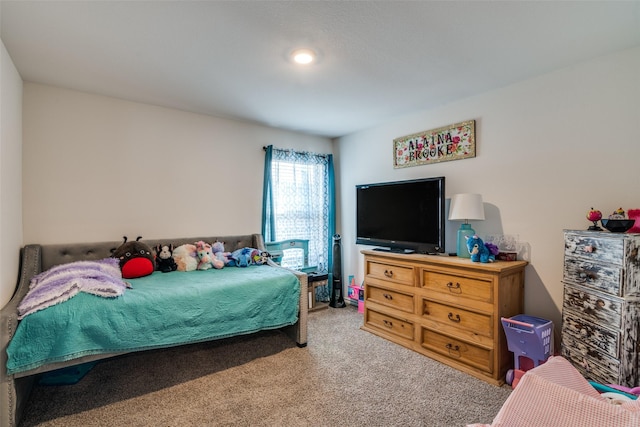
162,310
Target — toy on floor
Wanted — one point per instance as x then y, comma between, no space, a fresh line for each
531,341
630,390
614,391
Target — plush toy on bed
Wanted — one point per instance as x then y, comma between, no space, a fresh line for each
206,260
247,256
136,259
219,253
164,258
259,257
185,257
264,257
480,251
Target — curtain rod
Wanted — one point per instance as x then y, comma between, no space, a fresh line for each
264,148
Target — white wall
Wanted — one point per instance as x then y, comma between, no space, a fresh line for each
547,150
10,175
98,168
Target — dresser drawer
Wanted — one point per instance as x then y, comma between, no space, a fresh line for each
401,274
596,336
393,299
461,351
602,277
594,364
460,286
594,306
462,319
591,374
594,247
390,324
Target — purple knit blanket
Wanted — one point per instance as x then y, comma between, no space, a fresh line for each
102,278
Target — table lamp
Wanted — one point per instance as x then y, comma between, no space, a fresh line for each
465,207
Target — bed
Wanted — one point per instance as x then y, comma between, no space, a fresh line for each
555,394
160,310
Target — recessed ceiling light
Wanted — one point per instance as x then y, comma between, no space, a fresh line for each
303,56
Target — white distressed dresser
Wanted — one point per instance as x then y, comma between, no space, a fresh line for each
601,305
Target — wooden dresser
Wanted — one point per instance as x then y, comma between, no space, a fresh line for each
447,308
601,305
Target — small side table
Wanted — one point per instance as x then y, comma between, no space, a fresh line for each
314,281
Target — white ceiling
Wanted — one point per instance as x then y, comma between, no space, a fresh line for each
378,60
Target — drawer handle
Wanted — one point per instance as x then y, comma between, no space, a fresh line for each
587,274
453,287
388,296
589,249
388,323
584,364
453,348
388,273
454,319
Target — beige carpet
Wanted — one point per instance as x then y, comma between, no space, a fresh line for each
344,377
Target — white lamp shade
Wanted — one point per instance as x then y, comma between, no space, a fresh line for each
466,206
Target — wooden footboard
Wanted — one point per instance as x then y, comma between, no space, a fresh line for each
15,389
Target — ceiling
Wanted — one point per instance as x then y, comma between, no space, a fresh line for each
378,60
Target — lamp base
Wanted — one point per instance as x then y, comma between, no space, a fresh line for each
464,232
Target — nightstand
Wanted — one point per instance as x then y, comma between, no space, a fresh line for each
316,280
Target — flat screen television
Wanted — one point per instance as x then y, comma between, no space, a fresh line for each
402,216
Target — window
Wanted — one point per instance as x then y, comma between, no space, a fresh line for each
298,202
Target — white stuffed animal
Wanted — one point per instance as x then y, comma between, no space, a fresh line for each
185,257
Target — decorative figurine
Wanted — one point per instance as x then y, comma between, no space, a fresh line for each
617,214
594,215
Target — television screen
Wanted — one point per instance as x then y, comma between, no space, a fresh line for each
403,216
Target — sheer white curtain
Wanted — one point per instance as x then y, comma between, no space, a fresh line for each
298,205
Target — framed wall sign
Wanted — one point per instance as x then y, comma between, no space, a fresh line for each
447,143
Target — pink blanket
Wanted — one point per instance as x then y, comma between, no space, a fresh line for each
555,394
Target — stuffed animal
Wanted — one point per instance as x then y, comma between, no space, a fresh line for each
219,253
480,251
247,256
264,257
241,257
185,257
136,259
206,260
164,258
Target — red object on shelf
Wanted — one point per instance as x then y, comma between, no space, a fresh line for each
634,214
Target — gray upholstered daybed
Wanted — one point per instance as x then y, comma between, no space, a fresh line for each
254,290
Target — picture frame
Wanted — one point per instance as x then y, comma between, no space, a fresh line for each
447,143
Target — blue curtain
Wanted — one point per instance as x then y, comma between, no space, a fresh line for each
299,201
268,220
332,217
